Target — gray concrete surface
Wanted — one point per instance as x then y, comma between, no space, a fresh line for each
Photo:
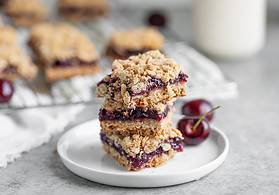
250,121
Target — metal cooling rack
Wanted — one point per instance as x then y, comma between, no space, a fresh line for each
205,78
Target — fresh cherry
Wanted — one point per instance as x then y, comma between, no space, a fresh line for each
195,129
6,90
193,136
157,19
198,107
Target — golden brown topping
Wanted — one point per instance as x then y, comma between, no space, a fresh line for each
137,70
22,6
12,56
61,41
143,38
7,35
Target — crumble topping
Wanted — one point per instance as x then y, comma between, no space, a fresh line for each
142,38
61,42
134,144
22,6
14,57
136,70
7,35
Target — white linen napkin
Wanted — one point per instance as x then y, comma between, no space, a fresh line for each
25,130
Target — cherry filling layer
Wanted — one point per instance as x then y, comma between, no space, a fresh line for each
155,83
141,160
72,62
152,84
133,114
9,70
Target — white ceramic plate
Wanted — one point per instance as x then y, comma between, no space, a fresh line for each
81,151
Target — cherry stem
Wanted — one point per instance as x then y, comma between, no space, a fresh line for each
204,116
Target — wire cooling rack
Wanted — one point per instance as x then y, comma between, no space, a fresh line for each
205,78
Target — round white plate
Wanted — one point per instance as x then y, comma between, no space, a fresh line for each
81,151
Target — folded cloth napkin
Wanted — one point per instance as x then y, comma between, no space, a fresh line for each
24,130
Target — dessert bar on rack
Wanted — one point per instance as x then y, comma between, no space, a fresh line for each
25,13
14,63
124,44
63,51
76,10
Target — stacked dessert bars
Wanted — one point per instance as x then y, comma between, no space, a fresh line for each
136,125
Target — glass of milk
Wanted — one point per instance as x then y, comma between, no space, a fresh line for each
229,28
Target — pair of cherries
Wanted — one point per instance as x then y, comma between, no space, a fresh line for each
195,126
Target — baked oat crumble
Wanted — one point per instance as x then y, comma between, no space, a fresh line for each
142,38
61,41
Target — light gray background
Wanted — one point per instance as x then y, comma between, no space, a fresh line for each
251,123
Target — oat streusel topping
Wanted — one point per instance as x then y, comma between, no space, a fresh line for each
7,35
23,6
62,41
142,38
14,57
136,70
135,143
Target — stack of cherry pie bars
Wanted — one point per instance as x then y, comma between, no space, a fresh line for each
136,126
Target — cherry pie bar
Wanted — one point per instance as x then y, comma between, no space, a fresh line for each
124,44
143,81
63,51
25,13
135,119
14,63
76,10
136,152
